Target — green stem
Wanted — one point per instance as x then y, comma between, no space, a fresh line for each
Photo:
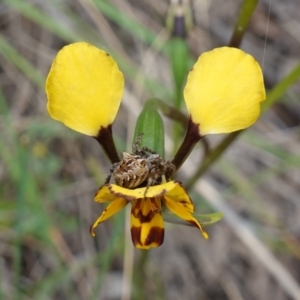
179,55
177,128
140,277
172,112
281,87
211,158
246,12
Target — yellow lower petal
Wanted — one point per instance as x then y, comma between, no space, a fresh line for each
104,194
147,226
183,213
224,90
111,209
155,191
179,194
84,88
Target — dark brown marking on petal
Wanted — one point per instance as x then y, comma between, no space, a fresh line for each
184,202
178,182
193,223
156,235
135,209
144,218
154,205
163,192
136,235
120,195
107,54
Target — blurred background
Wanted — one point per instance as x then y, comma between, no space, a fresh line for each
49,174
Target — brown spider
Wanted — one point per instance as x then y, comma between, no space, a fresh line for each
143,168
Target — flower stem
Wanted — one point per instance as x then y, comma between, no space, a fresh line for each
211,158
105,139
172,112
140,277
280,88
192,136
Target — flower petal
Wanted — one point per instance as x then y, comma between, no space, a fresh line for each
104,194
111,209
179,194
151,192
224,90
147,225
84,88
183,213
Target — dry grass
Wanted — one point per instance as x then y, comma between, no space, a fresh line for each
48,174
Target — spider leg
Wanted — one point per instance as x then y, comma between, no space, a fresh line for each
111,171
137,143
154,175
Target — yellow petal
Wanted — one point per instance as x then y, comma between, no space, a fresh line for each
182,212
147,226
151,192
104,194
179,194
84,88
111,209
224,90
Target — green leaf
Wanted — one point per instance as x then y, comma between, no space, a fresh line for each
150,125
204,219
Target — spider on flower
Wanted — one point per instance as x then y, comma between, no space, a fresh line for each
143,168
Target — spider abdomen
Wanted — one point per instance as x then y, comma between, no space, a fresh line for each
131,171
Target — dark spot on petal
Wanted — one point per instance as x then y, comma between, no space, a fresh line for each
138,214
156,235
193,223
107,54
183,202
136,235
120,195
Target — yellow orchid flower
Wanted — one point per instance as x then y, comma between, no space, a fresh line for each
84,89
147,227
